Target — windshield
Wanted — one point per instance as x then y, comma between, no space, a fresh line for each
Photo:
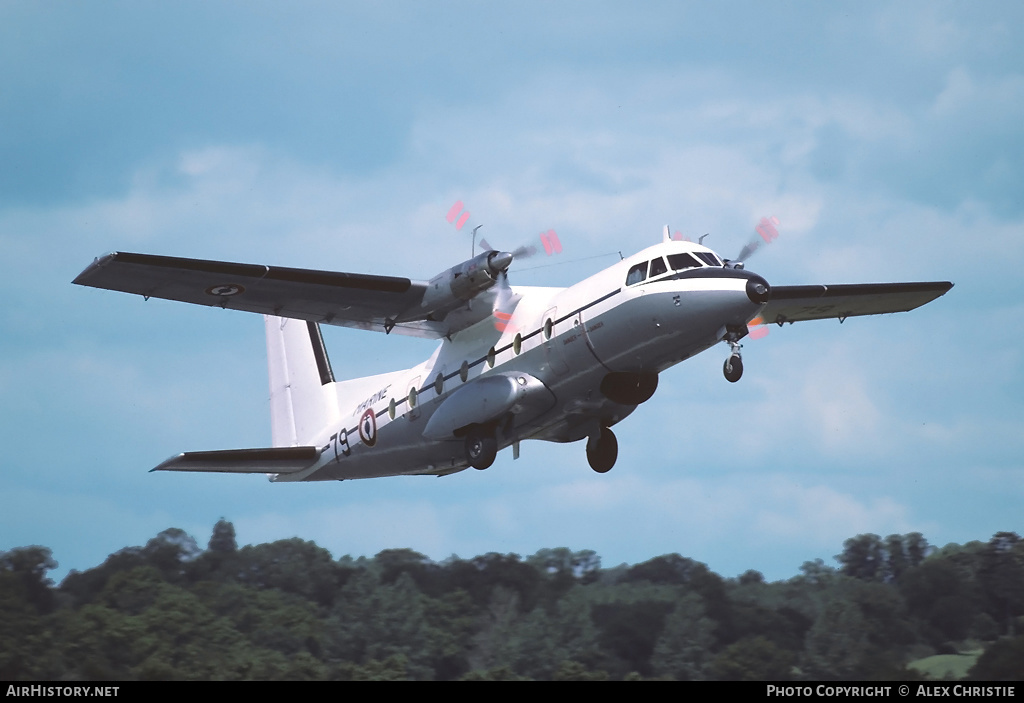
708,258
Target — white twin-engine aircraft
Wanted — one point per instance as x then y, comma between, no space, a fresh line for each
514,363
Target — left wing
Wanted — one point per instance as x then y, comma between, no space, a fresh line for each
356,300
819,302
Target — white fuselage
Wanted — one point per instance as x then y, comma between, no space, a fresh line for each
569,339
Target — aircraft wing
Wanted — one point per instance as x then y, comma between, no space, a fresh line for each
354,300
819,302
273,460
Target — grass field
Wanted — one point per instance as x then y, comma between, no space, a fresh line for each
946,666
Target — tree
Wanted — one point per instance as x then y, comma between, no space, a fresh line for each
683,647
751,577
293,565
223,537
837,642
25,597
753,659
28,566
863,558
1003,661
895,557
1002,576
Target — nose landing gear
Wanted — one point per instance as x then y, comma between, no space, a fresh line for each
733,367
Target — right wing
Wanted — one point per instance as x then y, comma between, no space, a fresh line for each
799,303
354,300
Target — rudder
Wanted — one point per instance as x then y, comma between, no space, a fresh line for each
302,400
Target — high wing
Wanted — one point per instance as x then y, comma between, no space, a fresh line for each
354,300
819,302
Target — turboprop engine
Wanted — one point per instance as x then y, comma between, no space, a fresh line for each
460,284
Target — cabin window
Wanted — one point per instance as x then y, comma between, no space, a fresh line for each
678,262
636,274
392,409
464,371
439,384
490,358
549,328
517,343
658,267
412,397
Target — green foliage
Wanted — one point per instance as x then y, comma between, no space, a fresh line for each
1003,661
753,659
288,611
223,537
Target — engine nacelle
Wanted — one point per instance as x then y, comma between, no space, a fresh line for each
459,284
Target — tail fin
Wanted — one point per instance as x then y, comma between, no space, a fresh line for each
301,401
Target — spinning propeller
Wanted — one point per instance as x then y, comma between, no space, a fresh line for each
766,229
767,233
505,299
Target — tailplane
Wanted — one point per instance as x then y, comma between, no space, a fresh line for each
302,396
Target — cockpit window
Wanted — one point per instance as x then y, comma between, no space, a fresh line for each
708,258
658,267
678,262
636,274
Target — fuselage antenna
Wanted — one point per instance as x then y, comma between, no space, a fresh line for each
473,250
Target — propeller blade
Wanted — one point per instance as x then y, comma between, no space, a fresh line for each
767,233
504,303
524,252
459,216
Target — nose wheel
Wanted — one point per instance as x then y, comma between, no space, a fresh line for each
602,451
733,367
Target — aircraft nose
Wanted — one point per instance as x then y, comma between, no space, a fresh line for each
758,290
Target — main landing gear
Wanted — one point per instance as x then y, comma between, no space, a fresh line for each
602,451
733,367
481,448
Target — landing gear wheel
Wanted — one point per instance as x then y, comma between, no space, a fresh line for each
481,449
601,454
733,368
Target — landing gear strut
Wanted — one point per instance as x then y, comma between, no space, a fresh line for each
733,367
481,448
602,451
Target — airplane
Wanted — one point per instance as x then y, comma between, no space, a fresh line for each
513,363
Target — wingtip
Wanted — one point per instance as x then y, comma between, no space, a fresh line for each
99,262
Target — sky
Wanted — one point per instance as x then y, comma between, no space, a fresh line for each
887,140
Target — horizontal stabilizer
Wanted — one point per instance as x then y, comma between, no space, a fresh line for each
275,460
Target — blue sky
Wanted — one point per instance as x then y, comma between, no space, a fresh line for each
886,138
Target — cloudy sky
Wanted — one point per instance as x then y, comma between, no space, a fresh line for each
886,139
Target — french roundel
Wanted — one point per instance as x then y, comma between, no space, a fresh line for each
368,428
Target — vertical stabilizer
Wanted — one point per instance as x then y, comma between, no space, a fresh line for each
302,398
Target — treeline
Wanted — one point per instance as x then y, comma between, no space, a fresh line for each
288,610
